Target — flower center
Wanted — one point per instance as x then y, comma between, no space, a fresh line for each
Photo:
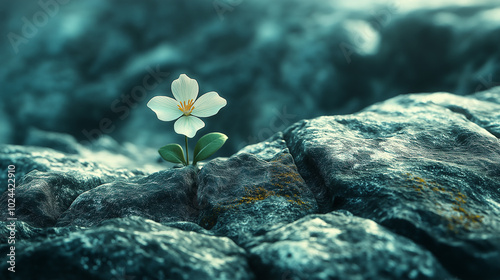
186,108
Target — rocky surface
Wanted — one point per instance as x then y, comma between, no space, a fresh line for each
30,158
425,166
129,248
245,195
338,245
407,188
165,196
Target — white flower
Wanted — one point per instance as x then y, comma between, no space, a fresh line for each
186,106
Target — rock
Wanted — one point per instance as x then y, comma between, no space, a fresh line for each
130,248
269,149
104,150
340,246
25,233
188,226
424,166
27,159
248,194
406,188
48,181
41,198
482,109
165,196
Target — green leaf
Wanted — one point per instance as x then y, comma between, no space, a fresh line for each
208,145
172,153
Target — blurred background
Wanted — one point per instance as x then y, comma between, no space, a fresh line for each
88,68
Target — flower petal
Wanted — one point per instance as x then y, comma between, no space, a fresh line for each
185,88
188,125
208,104
165,108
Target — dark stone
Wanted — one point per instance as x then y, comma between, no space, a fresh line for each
41,197
247,193
188,226
129,248
164,196
340,246
416,166
25,233
27,159
48,181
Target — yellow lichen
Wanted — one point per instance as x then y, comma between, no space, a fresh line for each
255,194
284,182
457,214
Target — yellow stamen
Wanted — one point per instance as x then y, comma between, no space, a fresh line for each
186,108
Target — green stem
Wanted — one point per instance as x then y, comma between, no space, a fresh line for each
187,151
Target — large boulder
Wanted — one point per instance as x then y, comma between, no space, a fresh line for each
251,193
29,158
165,196
127,248
340,246
424,166
47,181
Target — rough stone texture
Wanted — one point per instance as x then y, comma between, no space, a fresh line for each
28,159
246,194
129,248
419,173
164,196
41,197
340,246
25,232
48,181
104,151
417,167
